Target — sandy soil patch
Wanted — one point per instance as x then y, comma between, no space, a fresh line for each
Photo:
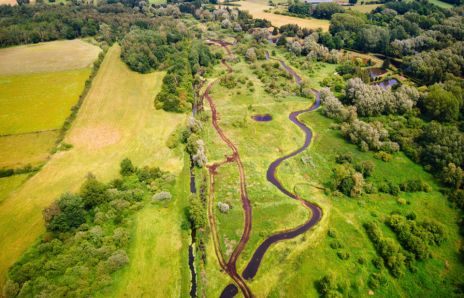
11,2
95,137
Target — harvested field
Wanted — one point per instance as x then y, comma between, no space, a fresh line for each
256,9
10,2
47,57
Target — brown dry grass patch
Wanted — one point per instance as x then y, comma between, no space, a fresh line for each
256,9
47,57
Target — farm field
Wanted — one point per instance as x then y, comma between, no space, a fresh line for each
9,184
50,56
117,120
25,97
10,2
364,8
441,4
26,149
256,9
39,84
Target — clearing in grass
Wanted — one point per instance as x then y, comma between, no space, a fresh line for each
120,102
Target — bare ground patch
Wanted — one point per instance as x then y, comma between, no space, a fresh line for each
95,137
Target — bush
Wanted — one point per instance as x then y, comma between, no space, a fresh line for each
376,280
415,237
346,180
388,249
332,233
343,255
228,81
117,260
66,214
223,207
93,192
366,168
161,196
344,158
383,156
336,244
127,168
415,185
371,136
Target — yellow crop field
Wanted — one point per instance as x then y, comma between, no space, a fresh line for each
39,101
23,149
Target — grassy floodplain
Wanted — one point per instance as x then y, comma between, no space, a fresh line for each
256,9
347,216
259,143
117,120
291,268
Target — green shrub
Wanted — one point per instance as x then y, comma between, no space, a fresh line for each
162,196
384,156
127,168
343,255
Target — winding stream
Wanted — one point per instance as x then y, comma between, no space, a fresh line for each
316,212
253,264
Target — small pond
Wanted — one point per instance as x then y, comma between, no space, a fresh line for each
388,83
262,117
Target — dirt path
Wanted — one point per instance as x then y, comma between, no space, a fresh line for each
230,266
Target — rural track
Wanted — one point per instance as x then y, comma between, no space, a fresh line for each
230,266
